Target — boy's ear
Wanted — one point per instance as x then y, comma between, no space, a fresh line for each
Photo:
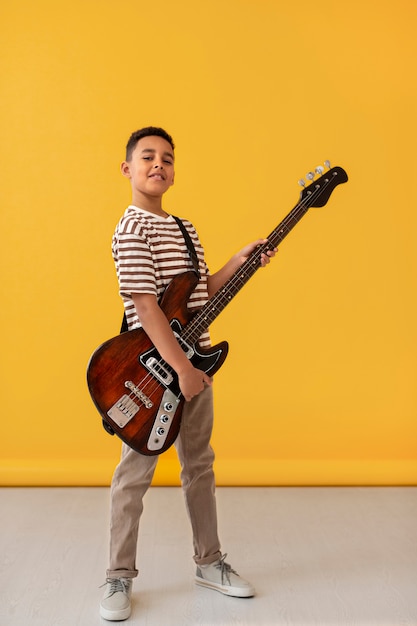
125,169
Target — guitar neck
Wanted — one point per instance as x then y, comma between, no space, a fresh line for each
217,303
314,195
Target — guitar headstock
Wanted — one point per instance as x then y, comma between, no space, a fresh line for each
317,193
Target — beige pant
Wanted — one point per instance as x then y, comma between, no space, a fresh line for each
133,477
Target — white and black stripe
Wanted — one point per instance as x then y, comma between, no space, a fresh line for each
148,251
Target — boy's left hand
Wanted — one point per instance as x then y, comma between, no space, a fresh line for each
265,258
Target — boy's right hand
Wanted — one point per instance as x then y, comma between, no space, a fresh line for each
192,381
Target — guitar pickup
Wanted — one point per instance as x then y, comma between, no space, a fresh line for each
160,371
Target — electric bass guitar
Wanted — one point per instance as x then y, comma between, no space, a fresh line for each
135,391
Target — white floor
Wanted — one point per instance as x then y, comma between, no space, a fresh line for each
317,556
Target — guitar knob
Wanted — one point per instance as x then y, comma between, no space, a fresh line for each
319,170
164,418
160,431
302,183
310,175
327,164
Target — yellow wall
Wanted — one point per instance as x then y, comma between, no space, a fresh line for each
320,385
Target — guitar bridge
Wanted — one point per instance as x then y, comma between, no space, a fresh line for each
123,411
139,394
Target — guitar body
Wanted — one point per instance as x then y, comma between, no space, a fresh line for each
135,391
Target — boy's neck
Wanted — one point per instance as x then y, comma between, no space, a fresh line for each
150,204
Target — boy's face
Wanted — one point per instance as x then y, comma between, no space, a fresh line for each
151,167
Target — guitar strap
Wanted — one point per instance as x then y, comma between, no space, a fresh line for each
190,246
191,252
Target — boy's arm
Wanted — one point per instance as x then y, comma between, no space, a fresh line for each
218,279
158,329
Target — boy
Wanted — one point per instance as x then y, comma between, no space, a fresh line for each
149,250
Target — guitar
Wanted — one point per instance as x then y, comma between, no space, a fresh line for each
135,391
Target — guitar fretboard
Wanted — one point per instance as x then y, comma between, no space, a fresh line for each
217,303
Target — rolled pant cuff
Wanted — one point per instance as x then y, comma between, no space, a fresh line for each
208,559
121,573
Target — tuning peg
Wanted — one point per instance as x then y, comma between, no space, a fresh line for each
319,170
327,164
310,175
302,182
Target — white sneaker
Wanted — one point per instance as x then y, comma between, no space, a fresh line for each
115,605
221,577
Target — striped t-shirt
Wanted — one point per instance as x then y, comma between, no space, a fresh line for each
148,251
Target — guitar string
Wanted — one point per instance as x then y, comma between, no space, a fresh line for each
236,281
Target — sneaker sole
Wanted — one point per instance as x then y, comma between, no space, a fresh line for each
115,616
235,592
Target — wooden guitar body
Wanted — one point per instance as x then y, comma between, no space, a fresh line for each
134,390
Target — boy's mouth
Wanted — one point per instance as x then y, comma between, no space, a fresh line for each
157,176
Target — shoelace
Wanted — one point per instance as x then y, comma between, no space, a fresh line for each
118,584
225,569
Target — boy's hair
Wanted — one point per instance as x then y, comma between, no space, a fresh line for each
149,131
